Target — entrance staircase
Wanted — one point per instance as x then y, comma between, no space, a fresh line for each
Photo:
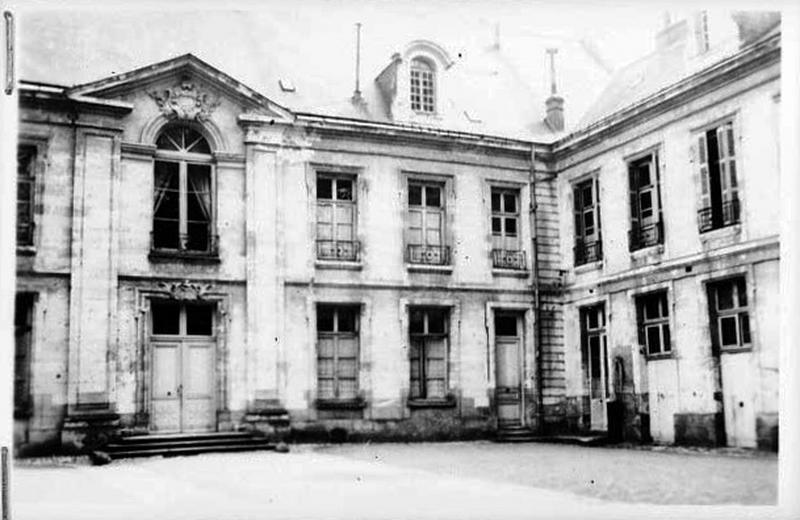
170,445
519,433
514,432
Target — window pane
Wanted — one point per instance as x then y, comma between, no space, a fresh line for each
324,188
505,325
436,321
665,346
416,322
165,316
325,348
652,307
587,195
510,201
588,223
744,324
497,225
741,289
724,296
433,196
324,319
728,331
414,195
347,319
646,203
344,189
198,236
495,201
199,320
511,226
644,175
653,340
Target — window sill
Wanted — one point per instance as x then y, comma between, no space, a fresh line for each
736,350
511,273
589,266
340,404
175,256
655,249
448,402
729,228
26,250
659,357
338,265
425,268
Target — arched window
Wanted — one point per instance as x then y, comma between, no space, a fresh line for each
423,94
183,206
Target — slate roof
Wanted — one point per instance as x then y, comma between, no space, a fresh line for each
503,90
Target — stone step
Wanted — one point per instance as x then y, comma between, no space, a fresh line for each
190,450
129,446
162,437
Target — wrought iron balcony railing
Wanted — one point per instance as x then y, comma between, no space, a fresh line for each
508,259
428,255
184,245
719,215
341,250
588,251
640,237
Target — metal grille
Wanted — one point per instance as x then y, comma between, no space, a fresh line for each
640,237
429,255
717,216
586,252
507,259
185,244
346,250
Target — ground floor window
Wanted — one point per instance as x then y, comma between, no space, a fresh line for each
428,329
730,320
653,316
337,352
23,329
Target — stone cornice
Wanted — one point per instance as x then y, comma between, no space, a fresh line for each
46,94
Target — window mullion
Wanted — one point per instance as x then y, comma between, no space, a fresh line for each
183,198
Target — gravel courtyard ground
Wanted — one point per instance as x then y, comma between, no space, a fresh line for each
419,481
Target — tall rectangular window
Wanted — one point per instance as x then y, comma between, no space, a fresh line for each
426,221
719,189
586,209
26,189
506,250
593,350
337,352
23,329
645,203
653,317
422,86
336,218
428,328
729,314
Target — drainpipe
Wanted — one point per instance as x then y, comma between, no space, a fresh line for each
536,301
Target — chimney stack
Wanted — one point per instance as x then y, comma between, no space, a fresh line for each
555,103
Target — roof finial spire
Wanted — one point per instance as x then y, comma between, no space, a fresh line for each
357,91
552,53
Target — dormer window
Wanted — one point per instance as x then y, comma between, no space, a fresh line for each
422,86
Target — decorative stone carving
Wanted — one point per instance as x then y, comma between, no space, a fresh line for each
186,290
185,101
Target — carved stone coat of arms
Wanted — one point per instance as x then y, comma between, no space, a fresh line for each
185,101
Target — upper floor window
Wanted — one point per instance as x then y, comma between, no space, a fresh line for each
183,207
26,189
727,301
506,250
336,217
337,352
423,96
586,209
719,197
653,316
426,220
647,228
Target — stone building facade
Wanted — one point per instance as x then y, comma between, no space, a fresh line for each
193,256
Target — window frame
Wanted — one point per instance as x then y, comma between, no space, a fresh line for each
423,399
661,323
183,160
356,400
422,69
349,250
719,187
428,255
503,256
182,319
23,404
588,247
645,232
740,312
39,163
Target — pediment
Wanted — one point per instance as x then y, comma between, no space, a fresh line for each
185,88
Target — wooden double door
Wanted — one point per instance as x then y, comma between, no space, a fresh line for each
183,359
